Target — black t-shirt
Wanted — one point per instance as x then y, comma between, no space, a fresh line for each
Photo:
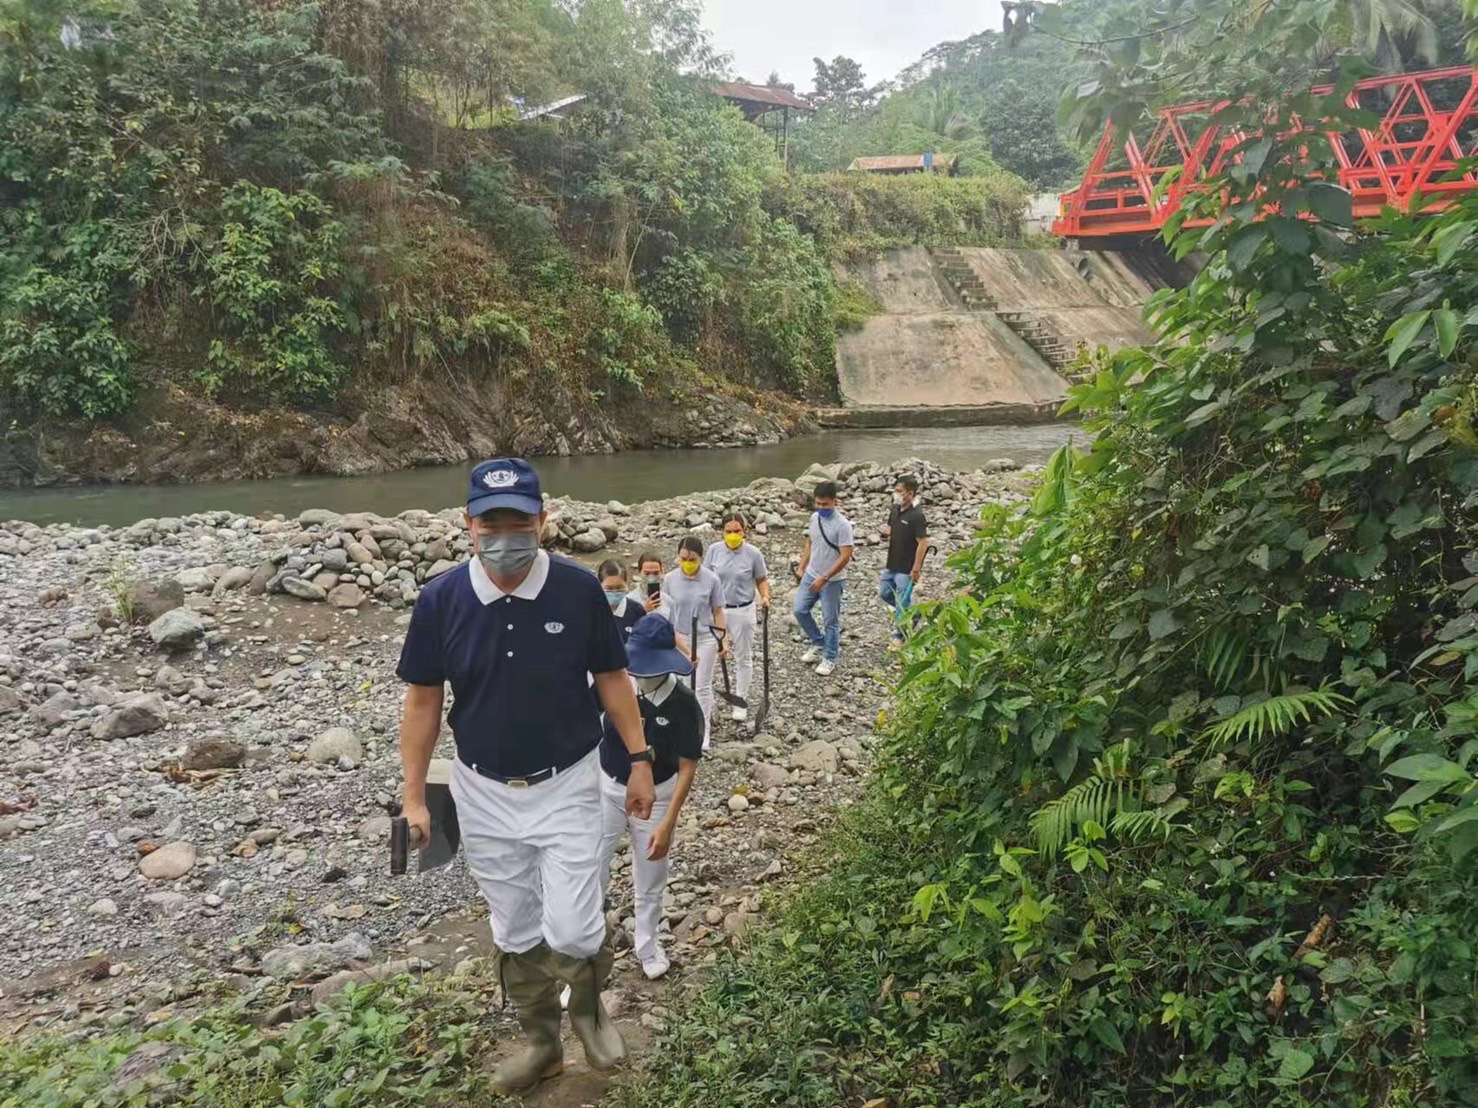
903,540
674,730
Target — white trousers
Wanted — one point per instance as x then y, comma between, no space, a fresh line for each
741,622
702,680
535,853
648,878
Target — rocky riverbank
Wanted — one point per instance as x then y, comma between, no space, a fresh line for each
197,747
185,438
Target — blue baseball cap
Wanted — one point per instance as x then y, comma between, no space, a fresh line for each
504,483
651,649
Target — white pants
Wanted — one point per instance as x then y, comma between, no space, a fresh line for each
702,680
535,853
741,623
648,878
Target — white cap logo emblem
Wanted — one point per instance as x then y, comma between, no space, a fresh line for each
499,478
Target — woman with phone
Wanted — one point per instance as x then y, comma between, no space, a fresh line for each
693,598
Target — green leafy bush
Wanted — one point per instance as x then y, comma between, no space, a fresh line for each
270,277
397,1043
1179,804
851,215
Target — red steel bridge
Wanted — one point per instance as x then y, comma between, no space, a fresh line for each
1429,125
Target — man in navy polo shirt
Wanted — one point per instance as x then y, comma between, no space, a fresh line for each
518,634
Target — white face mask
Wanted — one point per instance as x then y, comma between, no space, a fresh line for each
649,685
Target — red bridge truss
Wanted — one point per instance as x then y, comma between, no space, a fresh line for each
1429,125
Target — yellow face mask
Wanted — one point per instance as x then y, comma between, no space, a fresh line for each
733,541
690,566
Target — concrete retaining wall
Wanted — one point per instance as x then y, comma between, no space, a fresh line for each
928,350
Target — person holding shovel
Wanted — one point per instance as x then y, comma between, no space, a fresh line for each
693,601
532,653
674,727
746,579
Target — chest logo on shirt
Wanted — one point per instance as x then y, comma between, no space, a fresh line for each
662,721
554,628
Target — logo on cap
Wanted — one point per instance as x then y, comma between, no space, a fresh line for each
499,478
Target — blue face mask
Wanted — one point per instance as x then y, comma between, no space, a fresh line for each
825,513
615,598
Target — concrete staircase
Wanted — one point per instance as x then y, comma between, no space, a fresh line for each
963,279
1038,334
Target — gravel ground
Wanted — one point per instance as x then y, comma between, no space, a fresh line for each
195,801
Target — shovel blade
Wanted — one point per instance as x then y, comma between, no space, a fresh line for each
732,698
446,832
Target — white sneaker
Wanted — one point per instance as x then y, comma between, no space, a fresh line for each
739,715
811,656
657,967
826,669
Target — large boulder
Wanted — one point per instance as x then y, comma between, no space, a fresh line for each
214,754
169,862
196,579
817,756
178,629
303,590
138,715
237,577
10,700
346,596
318,517
151,599
333,744
588,542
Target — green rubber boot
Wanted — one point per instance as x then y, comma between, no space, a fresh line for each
535,996
605,1050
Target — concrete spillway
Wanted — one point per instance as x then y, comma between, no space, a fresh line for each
964,328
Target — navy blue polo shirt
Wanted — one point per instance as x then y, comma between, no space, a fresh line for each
627,615
518,664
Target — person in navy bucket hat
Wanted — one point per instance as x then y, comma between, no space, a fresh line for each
532,653
673,722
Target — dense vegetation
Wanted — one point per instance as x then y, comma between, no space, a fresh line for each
296,201
992,99
1179,805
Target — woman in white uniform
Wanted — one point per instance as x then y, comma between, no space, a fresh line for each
694,596
746,579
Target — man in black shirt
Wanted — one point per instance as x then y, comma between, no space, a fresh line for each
908,544
673,722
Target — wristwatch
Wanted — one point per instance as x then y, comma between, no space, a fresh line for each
643,756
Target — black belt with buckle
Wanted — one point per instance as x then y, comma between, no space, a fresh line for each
523,782
746,604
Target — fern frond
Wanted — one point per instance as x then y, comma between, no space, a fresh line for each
1277,715
1136,827
1096,798
1225,657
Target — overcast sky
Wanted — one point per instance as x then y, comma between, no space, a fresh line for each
883,35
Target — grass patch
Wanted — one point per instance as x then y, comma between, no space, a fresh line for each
400,1042
855,305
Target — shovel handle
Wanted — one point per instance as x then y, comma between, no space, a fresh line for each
400,842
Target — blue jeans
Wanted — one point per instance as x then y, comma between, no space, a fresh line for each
830,599
895,590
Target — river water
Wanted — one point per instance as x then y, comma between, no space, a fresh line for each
632,477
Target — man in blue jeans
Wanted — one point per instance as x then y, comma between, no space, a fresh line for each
823,570
908,545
